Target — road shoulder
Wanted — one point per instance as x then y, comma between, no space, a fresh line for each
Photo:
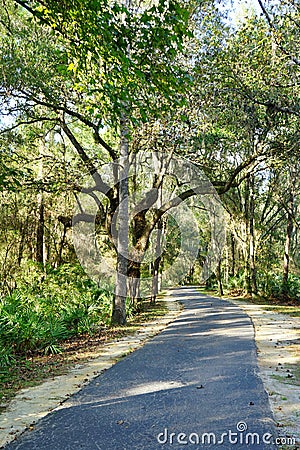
277,338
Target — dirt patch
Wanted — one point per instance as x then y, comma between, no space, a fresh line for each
277,339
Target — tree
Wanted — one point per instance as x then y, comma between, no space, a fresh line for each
95,94
247,124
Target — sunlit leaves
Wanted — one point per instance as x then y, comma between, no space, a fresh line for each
128,53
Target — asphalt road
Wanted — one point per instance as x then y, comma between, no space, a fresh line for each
195,385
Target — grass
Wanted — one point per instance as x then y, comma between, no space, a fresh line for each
295,371
269,304
295,380
31,371
293,311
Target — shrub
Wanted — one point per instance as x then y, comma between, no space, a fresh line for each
271,284
48,308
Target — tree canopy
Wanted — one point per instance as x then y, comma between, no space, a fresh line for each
145,123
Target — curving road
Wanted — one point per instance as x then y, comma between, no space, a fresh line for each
195,386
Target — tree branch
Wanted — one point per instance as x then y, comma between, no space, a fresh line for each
273,27
42,19
28,122
101,185
78,116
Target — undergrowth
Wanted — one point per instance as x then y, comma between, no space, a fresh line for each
50,319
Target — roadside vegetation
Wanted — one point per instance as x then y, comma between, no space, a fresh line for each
84,86
36,349
289,306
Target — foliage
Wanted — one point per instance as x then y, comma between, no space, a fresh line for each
100,52
271,286
225,98
50,307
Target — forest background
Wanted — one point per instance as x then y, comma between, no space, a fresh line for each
91,87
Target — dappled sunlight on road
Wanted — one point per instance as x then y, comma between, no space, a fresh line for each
153,387
198,374
123,395
239,332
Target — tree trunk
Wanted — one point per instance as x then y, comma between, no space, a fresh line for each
119,301
252,237
161,228
232,268
134,276
287,247
157,262
61,245
40,232
248,283
226,270
219,278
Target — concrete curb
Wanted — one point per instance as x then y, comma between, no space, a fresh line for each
31,404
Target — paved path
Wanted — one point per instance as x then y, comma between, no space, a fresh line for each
192,386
